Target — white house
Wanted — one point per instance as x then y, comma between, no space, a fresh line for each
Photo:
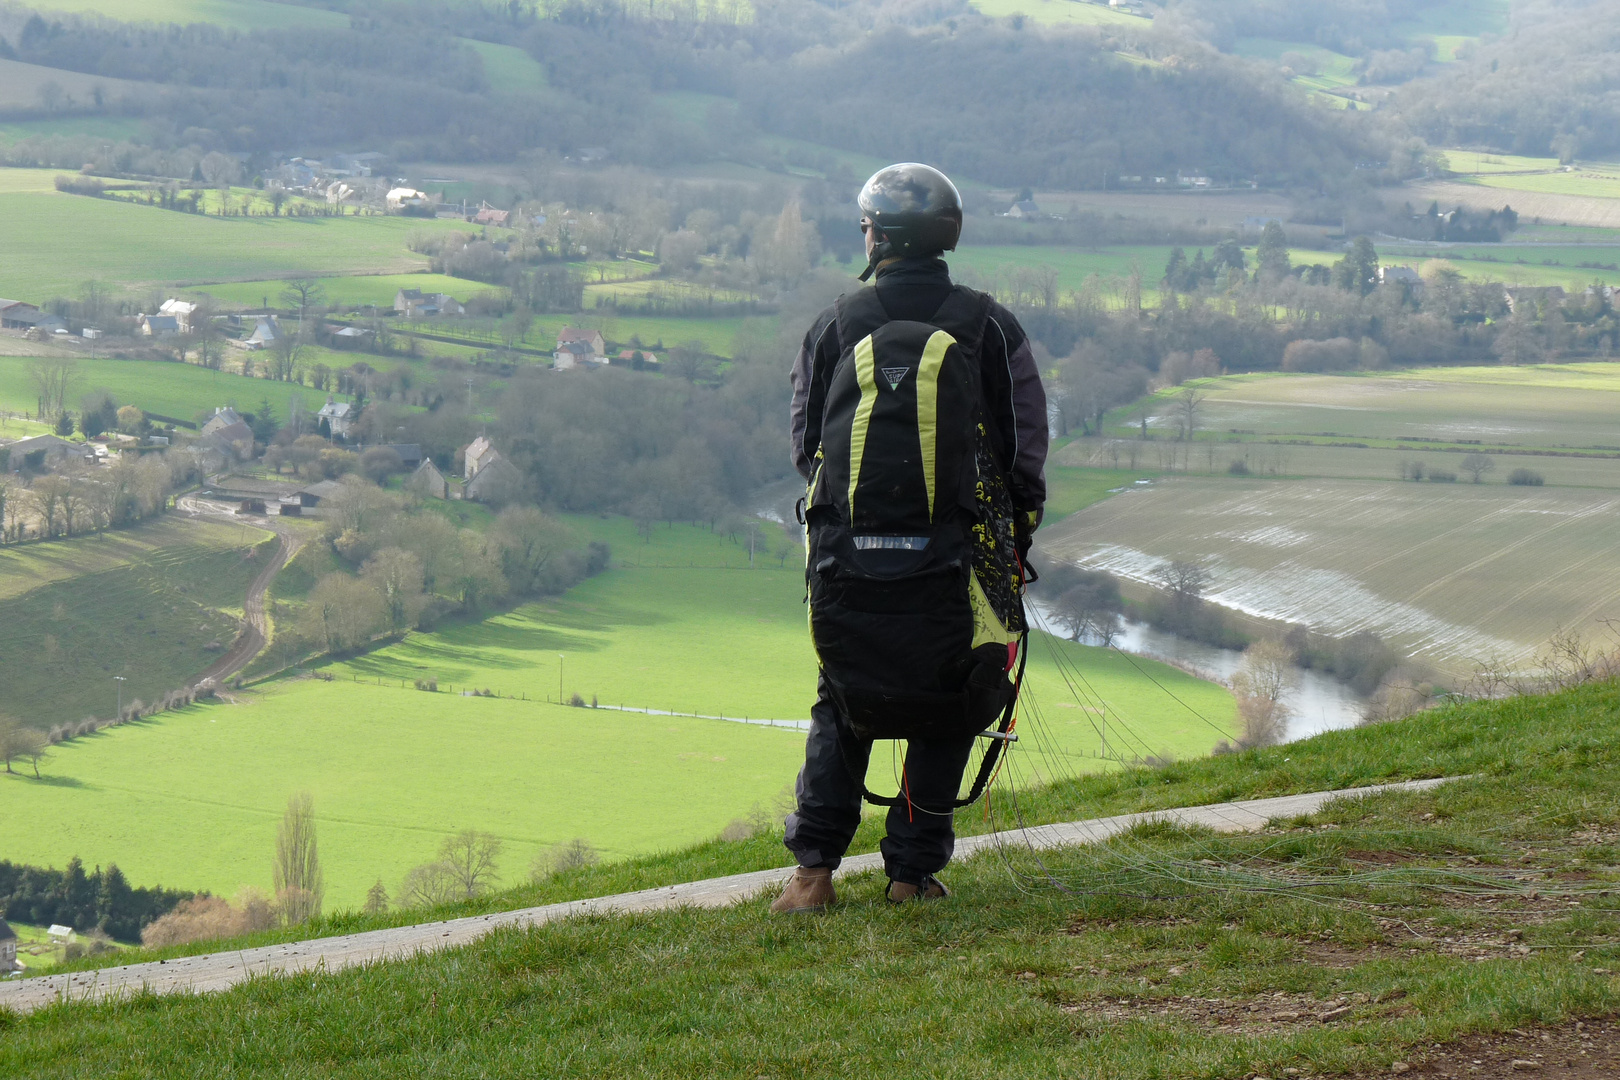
158,325
592,339
182,310
265,331
404,198
339,416
416,304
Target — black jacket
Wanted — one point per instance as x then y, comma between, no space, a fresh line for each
913,289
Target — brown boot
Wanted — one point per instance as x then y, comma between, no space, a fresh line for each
932,888
809,889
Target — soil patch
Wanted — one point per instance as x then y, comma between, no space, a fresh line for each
1580,1050
1280,1011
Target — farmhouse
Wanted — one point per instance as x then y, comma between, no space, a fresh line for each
404,198
351,335
570,354
266,330
8,949
234,440
338,415
416,304
1025,210
45,452
1401,276
498,481
635,358
224,416
18,314
182,311
428,480
315,493
478,453
488,215
592,339
158,325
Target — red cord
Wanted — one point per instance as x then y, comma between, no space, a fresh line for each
905,783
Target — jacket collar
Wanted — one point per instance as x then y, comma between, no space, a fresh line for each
924,271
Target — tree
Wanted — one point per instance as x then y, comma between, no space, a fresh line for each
54,378
376,899
64,424
1358,270
1271,258
286,353
47,494
1185,581
528,543
303,294
1266,674
130,420
1187,403
298,881
342,613
469,857
397,577
19,742
1477,465
1090,608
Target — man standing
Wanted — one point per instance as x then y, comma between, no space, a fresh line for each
911,215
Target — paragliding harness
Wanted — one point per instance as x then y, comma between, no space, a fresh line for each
914,583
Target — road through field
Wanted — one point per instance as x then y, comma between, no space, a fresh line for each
256,629
1453,573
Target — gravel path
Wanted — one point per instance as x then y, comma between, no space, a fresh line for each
220,971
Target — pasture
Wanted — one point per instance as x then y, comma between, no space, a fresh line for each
508,68
1061,12
22,86
170,389
1546,406
55,242
355,291
1533,207
156,604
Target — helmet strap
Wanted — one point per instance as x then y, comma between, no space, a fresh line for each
882,252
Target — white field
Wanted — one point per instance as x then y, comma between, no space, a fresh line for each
1450,573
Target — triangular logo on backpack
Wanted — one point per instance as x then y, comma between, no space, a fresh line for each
895,375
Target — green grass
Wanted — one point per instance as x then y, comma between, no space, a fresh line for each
1060,12
170,389
1071,488
1014,976
235,14
146,606
1592,181
54,242
358,291
100,127
996,264
715,335
713,638
508,68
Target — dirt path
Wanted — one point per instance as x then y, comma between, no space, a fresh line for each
197,974
256,632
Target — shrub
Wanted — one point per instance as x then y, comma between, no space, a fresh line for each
1239,467
205,918
1525,478
1441,476
430,685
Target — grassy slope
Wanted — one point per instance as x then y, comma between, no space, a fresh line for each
144,605
1013,977
685,625
236,14
178,390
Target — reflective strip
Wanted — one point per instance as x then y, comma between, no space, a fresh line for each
933,358
866,379
891,543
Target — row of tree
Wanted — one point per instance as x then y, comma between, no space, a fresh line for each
100,900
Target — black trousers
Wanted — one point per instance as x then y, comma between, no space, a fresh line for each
920,838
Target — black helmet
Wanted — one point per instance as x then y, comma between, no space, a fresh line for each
916,210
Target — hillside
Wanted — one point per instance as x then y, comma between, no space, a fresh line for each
1468,924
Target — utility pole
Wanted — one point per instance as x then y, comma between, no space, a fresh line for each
119,679
469,397
559,678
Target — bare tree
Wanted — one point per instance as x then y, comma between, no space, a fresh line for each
303,294
286,353
1187,403
1477,465
575,854
47,495
1259,686
54,378
1185,581
527,542
300,886
470,859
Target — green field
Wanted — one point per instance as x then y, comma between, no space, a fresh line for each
1546,405
54,242
1060,12
99,127
508,68
357,291
681,625
170,389
156,604
1589,181
996,264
